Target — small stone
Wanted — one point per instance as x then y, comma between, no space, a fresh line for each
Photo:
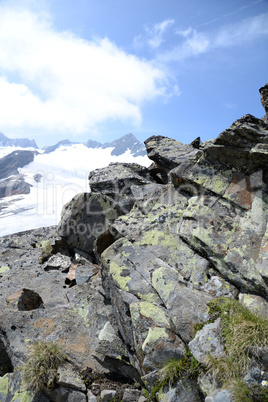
69,377
91,397
131,395
58,261
107,395
25,300
207,342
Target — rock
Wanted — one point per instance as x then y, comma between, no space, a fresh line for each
255,303
168,153
70,378
116,181
62,394
150,248
14,185
85,218
131,395
106,395
58,261
222,395
91,397
186,391
208,342
264,100
11,388
25,300
83,273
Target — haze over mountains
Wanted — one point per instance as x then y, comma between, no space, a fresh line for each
35,184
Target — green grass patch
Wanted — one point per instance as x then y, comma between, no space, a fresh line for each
175,370
40,370
243,333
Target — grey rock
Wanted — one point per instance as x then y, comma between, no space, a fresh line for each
167,152
91,397
116,181
12,389
84,272
186,391
85,218
25,300
222,395
62,394
255,303
131,395
106,395
70,378
208,342
58,261
14,185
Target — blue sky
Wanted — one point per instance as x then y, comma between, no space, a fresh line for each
99,69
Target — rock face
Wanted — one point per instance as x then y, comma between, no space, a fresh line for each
134,263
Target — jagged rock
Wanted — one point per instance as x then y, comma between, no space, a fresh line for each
69,377
106,395
85,218
264,100
222,395
12,389
14,185
25,300
91,397
58,261
167,240
62,394
84,272
186,391
255,303
131,395
116,181
208,342
168,153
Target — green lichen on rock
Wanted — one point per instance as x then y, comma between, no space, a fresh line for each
116,272
4,385
46,251
153,312
4,269
153,335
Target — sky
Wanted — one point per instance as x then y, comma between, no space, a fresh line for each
100,69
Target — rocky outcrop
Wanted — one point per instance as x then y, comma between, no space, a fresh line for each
126,280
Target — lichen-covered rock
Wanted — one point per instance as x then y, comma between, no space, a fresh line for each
85,218
116,181
168,153
208,342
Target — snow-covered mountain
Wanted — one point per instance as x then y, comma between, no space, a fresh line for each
34,185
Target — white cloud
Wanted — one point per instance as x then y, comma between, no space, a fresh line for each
245,31
57,81
193,42
154,34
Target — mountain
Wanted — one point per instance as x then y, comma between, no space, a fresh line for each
52,148
127,142
10,163
17,142
157,279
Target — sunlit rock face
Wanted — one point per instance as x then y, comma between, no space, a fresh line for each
146,251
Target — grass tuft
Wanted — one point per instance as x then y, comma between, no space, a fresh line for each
40,370
243,333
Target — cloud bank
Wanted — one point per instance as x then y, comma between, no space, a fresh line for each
57,81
